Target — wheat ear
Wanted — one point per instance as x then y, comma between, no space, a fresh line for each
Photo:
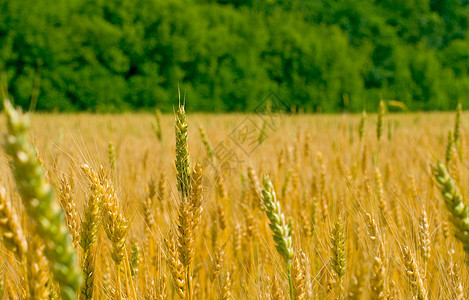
454,203
380,124
38,271
207,144
299,279
68,204
89,230
183,167
413,274
282,232
40,203
175,266
339,256
12,233
361,126
449,148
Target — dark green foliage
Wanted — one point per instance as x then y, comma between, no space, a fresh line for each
112,56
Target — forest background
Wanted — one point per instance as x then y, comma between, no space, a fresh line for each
316,55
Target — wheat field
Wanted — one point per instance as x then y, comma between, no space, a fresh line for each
234,206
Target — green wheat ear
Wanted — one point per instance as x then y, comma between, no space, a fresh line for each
207,144
183,167
380,124
361,127
40,204
454,203
278,224
457,131
457,123
449,148
156,125
339,257
282,231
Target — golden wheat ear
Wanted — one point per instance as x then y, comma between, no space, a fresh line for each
10,227
175,266
89,231
68,204
413,274
38,271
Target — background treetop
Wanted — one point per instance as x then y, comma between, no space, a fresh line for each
330,56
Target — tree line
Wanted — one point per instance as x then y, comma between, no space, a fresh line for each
321,55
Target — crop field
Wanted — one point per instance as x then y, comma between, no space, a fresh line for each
248,206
